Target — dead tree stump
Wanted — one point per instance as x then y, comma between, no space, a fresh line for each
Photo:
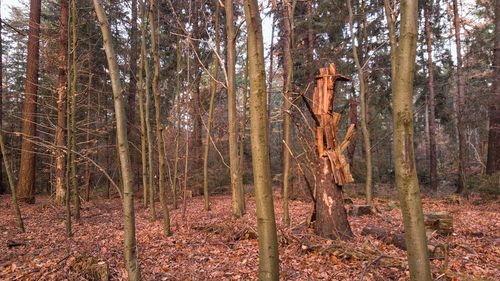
441,222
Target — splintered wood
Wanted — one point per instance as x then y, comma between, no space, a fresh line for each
326,133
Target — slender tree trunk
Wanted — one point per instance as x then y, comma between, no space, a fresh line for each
144,152
266,223
235,169
131,261
26,180
287,89
406,175
431,104
178,123
159,128
459,100
493,161
147,110
72,113
243,132
6,164
364,110
60,156
132,87
213,90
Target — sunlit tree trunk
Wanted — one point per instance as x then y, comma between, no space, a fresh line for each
238,198
266,223
60,157
131,262
287,89
159,128
459,101
26,179
431,109
364,110
493,161
403,64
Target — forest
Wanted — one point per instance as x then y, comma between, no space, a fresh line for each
250,140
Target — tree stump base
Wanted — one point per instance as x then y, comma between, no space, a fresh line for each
440,222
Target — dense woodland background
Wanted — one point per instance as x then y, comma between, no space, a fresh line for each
186,130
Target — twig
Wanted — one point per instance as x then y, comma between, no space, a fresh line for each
369,265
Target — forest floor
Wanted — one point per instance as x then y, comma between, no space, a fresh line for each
214,246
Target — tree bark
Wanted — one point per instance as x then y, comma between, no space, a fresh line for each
266,223
213,90
2,187
459,101
403,150
493,161
132,87
60,156
364,110
26,180
238,198
287,89
431,108
72,112
131,261
144,150
159,128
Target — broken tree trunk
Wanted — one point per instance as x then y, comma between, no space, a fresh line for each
331,216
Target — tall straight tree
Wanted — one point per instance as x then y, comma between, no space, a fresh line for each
213,90
238,196
159,128
493,161
130,245
287,89
26,181
403,54
431,99
144,151
259,137
132,86
459,101
364,108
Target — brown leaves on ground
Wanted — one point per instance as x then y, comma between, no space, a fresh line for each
214,246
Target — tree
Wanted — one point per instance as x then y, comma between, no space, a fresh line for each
459,101
403,54
238,196
159,128
288,9
2,187
364,108
493,162
259,137
131,261
431,109
26,181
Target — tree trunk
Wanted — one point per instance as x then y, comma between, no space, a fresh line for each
287,89
213,90
493,161
26,179
431,108
2,187
159,128
132,89
144,151
406,175
178,58
60,156
331,217
459,101
6,164
266,223
72,111
131,261
238,198
364,110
